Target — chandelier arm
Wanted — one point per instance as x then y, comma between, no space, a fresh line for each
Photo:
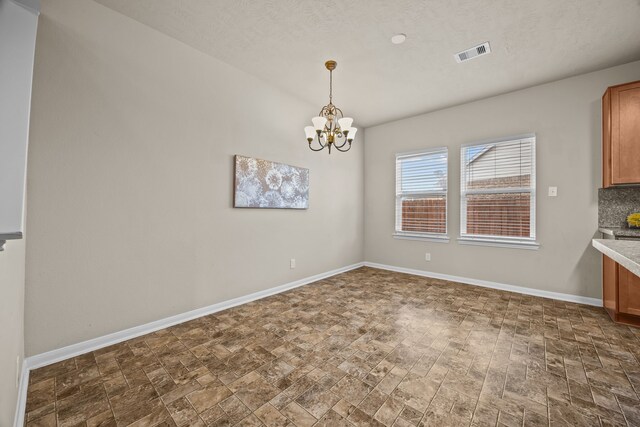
342,145
322,146
317,149
341,134
339,148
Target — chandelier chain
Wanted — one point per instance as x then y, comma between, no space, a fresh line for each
330,86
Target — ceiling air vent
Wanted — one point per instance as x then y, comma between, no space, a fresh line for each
474,52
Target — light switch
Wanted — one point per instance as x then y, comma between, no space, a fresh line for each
553,191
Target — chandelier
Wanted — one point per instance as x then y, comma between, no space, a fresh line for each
330,128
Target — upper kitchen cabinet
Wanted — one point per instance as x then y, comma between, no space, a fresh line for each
621,135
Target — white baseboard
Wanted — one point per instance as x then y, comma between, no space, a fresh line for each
493,285
74,350
21,405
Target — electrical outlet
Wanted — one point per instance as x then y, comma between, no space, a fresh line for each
292,263
17,371
427,256
553,191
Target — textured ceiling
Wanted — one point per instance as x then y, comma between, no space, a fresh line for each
285,43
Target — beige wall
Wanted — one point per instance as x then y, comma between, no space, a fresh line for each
11,325
566,117
17,39
130,181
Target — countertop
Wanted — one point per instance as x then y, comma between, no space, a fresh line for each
624,252
620,231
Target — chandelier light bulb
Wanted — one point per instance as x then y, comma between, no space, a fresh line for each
319,122
310,132
352,133
345,123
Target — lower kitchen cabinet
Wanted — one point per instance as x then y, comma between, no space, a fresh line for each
628,292
620,292
609,284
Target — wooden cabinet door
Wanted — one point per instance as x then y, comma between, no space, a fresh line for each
606,139
628,292
609,283
625,134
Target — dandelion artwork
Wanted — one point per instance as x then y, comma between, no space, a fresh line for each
266,184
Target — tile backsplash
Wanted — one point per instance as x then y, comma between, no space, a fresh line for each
615,204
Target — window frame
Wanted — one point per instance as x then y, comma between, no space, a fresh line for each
417,235
494,240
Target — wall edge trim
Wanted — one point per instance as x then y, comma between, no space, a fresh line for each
73,350
21,404
32,6
492,285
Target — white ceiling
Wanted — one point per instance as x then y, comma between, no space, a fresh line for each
285,43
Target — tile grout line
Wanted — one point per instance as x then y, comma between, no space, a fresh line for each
484,379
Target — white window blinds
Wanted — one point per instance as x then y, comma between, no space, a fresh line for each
421,193
498,191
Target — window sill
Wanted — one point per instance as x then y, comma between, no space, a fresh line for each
514,244
424,237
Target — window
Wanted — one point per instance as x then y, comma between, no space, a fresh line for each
421,194
498,193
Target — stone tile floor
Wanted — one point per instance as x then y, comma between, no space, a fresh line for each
367,347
